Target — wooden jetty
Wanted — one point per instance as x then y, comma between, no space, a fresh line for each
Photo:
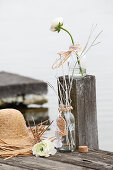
99,160
16,89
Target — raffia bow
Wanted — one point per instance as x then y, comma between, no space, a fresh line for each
65,55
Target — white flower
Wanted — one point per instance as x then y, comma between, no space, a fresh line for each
57,22
44,148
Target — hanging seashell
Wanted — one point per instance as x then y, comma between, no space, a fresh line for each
61,123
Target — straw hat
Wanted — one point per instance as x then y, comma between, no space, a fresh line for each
15,138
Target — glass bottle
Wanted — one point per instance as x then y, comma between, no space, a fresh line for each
68,140
76,72
74,68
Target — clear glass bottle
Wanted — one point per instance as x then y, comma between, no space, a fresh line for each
75,72
68,141
74,67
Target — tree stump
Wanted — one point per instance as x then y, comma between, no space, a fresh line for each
83,96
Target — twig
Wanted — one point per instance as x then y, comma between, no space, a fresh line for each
91,32
92,44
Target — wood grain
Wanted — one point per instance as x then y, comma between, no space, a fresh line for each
83,96
62,161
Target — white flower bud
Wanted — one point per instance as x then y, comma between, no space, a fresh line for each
55,23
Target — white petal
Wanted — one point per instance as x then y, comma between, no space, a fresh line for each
53,152
53,29
55,23
47,155
57,20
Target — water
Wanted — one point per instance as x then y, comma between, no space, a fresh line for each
27,47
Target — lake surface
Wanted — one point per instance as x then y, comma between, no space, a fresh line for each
27,47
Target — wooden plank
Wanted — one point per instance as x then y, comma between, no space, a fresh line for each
64,161
87,160
8,167
34,163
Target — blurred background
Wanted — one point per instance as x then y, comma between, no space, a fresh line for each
29,48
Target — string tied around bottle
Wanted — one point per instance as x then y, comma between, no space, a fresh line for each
64,109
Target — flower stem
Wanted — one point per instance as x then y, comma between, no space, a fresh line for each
76,53
81,71
69,34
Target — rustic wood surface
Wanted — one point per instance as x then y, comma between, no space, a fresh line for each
83,96
100,160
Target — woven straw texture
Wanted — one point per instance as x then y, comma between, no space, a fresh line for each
15,138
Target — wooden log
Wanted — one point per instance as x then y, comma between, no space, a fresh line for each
83,96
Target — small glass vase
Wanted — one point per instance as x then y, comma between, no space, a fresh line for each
76,72
68,141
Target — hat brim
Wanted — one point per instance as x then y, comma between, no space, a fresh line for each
19,146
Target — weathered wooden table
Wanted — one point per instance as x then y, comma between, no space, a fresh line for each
61,161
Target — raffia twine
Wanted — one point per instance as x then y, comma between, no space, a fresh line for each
64,109
64,55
